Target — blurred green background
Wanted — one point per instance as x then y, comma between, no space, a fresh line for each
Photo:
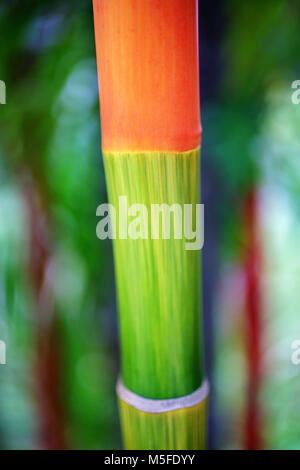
57,301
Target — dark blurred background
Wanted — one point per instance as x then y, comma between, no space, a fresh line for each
57,300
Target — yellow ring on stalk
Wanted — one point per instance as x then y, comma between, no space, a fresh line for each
175,424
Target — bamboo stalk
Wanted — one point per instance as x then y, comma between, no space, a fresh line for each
254,323
48,372
147,54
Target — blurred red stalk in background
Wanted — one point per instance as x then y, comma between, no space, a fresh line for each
253,318
48,361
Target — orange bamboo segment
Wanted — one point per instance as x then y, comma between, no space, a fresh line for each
148,72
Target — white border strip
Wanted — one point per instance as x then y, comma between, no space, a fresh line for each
161,406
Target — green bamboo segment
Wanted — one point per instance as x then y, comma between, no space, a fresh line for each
183,429
159,295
